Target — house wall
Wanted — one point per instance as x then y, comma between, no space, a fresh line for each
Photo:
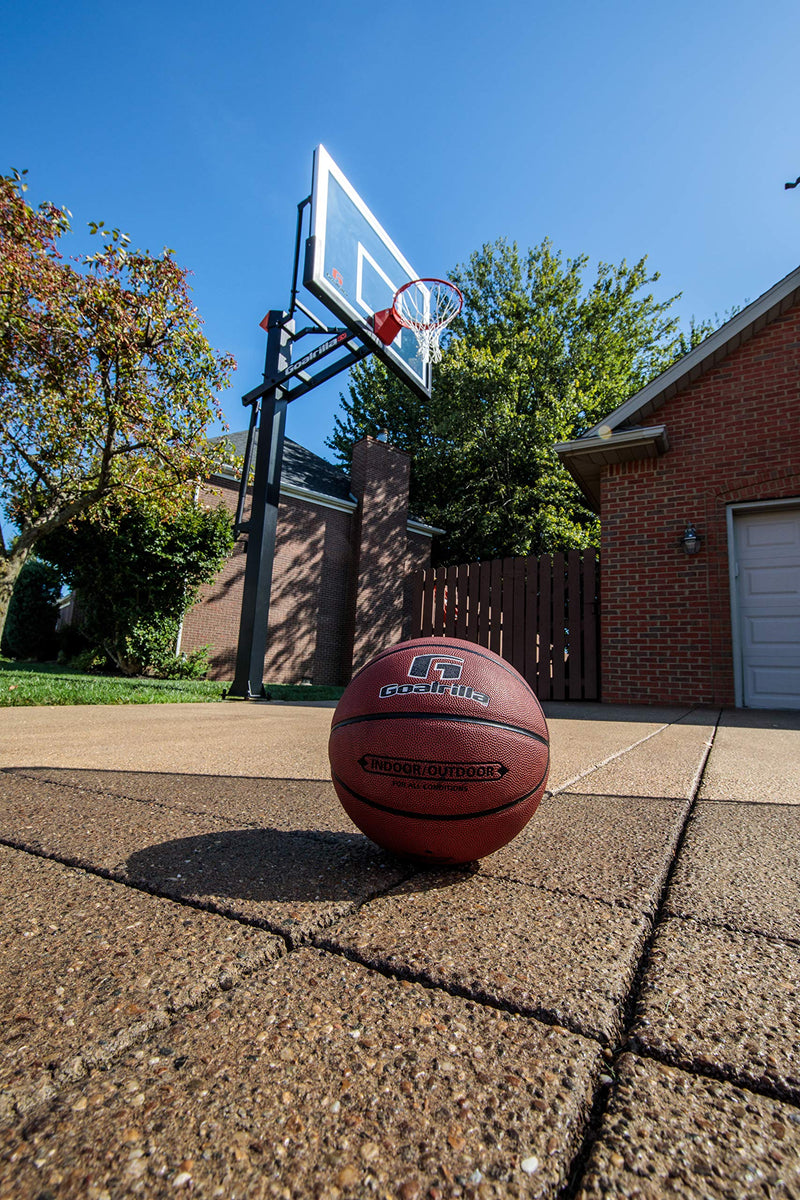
734,436
338,584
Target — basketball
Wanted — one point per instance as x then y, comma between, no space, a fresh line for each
439,750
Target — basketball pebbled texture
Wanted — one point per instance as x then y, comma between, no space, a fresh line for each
439,749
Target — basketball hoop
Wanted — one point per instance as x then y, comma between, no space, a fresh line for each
426,307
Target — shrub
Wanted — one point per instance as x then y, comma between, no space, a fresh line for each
30,629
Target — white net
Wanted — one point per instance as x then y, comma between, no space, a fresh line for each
427,306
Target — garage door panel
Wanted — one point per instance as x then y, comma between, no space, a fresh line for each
771,581
770,531
773,686
773,631
767,550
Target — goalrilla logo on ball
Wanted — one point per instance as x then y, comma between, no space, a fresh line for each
446,670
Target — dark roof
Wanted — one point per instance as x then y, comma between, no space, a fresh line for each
302,468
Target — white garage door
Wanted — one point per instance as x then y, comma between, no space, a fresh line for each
767,547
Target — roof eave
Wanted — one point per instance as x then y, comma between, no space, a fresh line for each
711,351
585,458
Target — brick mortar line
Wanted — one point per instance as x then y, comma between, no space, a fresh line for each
751,803
261,923
576,1173
161,1018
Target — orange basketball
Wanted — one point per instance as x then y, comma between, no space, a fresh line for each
439,750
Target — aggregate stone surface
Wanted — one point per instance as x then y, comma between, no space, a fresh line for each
599,847
583,736
289,880
542,953
740,866
755,758
666,764
85,964
667,1133
713,1000
307,804
319,1079
224,738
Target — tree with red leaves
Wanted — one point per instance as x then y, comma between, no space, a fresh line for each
107,383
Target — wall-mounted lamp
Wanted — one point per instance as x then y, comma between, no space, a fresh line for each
691,539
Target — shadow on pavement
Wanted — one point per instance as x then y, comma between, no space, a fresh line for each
277,865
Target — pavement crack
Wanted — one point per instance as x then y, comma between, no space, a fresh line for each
544,1015
784,939
621,753
740,1079
603,1092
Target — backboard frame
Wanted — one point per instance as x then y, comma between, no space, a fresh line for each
341,291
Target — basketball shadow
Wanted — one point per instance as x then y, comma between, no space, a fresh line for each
265,865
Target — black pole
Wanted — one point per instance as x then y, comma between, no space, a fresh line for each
248,682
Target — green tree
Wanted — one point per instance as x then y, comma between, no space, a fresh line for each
136,572
30,630
537,356
107,384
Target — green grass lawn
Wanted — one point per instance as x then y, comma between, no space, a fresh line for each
48,683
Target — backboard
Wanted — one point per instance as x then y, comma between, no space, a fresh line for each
354,268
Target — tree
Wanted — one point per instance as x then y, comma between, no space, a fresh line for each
536,357
107,384
136,572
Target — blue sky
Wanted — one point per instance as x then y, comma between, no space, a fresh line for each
617,130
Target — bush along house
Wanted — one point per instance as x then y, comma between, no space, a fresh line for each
697,482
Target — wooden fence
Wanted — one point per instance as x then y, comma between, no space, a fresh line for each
540,614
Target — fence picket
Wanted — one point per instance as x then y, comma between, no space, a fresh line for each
559,674
531,619
591,626
517,655
471,632
544,668
426,628
496,606
575,632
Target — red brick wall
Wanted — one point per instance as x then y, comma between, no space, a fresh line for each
734,436
380,480
308,602
339,579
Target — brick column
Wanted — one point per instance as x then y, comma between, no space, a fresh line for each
379,480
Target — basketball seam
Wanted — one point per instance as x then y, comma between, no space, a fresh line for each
446,644
417,816
453,718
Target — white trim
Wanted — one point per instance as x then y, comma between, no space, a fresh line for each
419,527
324,169
306,496
626,437
363,253
743,507
293,492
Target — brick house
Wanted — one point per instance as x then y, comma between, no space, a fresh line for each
346,547
713,443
